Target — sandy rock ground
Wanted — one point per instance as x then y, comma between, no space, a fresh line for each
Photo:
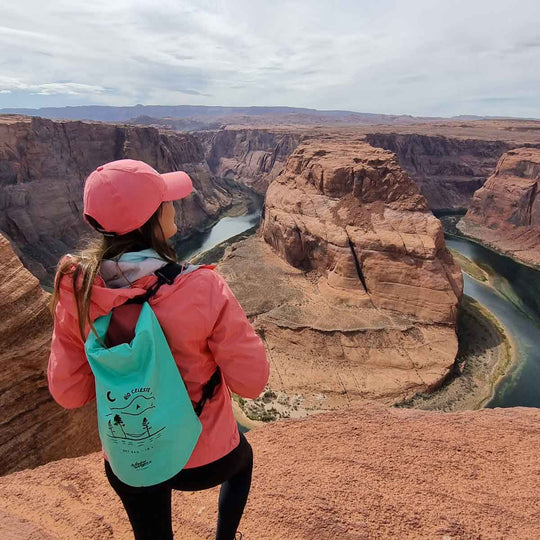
367,472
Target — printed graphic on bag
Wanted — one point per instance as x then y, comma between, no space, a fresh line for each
132,420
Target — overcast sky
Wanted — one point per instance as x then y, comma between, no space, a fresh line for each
420,57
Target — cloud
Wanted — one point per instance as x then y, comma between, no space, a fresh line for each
6,31
417,57
68,88
8,84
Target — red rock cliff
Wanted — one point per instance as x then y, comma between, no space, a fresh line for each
505,212
34,429
43,166
253,157
447,170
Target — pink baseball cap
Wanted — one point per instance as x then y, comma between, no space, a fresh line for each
122,195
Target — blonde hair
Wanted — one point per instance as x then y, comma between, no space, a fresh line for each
84,265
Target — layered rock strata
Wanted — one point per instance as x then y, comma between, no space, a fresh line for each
43,166
349,283
34,429
253,157
505,212
447,170
348,211
369,472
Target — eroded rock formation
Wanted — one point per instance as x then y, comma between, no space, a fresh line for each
34,429
369,472
505,212
43,166
350,282
447,170
253,157
349,210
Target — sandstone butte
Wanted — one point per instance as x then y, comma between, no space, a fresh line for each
368,472
349,281
505,211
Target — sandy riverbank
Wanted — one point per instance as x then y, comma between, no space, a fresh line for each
486,354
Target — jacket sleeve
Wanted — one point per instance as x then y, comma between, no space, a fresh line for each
237,349
71,381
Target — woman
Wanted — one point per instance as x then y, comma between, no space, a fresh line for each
130,204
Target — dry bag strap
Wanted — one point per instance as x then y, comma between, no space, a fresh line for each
208,391
165,274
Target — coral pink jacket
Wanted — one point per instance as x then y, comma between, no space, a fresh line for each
205,327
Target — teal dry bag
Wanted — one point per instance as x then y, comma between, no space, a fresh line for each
146,420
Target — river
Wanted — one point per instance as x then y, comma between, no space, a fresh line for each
514,298
225,228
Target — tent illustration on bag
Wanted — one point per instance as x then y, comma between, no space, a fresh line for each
131,422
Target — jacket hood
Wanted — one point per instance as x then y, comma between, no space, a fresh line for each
103,298
122,272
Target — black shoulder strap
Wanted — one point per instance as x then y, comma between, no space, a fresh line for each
166,274
208,391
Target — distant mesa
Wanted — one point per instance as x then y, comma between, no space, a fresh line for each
275,115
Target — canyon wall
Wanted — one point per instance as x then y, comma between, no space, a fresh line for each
34,429
505,212
447,170
363,292
43,166
253,157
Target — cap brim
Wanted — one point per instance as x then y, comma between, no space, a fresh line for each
178,185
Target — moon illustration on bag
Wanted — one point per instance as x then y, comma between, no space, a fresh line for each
109,397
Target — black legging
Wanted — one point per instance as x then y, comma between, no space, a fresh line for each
149,508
